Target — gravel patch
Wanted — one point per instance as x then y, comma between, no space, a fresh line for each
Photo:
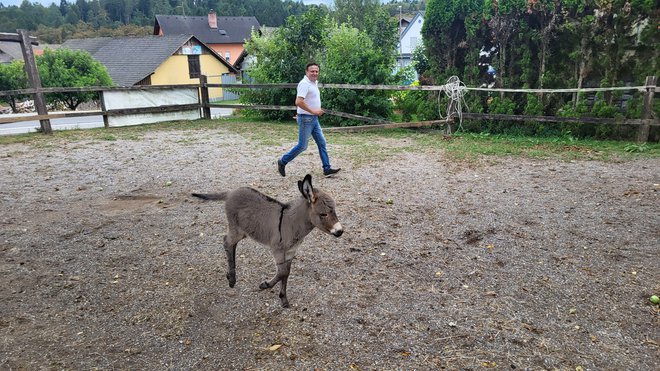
106,262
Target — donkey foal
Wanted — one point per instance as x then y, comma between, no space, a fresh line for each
281,226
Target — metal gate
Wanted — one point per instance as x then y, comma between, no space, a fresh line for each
226,94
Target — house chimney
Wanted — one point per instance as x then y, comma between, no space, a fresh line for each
213,19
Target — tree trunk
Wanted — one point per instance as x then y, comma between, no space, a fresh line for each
585,62
546,37
544,48
502,62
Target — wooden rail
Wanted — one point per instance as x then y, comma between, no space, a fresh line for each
374,123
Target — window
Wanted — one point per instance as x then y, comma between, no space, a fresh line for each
413,42
193,66
227,56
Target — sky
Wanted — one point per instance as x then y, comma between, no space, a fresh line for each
18,2
48,2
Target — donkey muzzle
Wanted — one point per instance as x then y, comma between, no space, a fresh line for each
337,230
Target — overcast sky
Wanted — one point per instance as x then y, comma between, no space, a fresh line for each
18,2
48,2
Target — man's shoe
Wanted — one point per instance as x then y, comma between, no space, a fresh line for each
280,167
330,172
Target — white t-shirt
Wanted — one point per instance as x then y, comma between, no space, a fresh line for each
309,91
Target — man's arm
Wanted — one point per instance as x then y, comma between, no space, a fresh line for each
300,102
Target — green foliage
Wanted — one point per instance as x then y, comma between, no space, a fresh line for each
351,58
449,26
345,54
416,105
71,68
13,77
547,44
420,61
383,32
354,12
502,106
534,105
636,148
281,57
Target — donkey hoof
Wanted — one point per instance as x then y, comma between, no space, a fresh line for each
231,279
285,303
264,285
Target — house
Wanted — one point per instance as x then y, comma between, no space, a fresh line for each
156,60
410,38
225,35
404,21
9,51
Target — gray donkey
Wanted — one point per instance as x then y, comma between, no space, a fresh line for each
281,226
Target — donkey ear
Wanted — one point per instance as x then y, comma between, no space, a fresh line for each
305,187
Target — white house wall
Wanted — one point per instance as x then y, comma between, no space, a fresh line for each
412,37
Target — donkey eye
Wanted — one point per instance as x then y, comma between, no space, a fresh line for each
323,215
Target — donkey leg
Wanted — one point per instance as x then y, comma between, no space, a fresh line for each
268,284
281,276
283,282
230,243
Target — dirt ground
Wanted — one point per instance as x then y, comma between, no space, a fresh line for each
106,262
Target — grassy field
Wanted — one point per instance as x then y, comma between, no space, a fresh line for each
460,146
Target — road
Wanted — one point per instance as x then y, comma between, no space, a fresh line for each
66,123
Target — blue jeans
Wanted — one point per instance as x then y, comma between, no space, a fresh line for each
308,125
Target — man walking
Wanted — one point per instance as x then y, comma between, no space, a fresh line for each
308,101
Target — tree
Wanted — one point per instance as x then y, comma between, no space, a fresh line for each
345,54
351,57
71,68
449,25
13,77
281,57
383,30
354,12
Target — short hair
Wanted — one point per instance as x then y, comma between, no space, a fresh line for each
310,64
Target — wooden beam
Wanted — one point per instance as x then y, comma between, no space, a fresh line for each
97,88
159,109
647,114
590,120
204,97
16,38
253,106
116,112
393,125
9,120
35,80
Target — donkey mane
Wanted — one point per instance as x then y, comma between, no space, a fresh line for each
268,198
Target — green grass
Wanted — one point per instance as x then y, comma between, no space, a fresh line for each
369,145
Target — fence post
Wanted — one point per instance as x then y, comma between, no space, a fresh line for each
647,114
35,80
104,111
206,110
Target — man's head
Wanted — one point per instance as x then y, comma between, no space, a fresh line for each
312,71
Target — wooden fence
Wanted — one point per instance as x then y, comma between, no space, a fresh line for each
645,122
205,106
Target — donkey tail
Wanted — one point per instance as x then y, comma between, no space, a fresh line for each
211,196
